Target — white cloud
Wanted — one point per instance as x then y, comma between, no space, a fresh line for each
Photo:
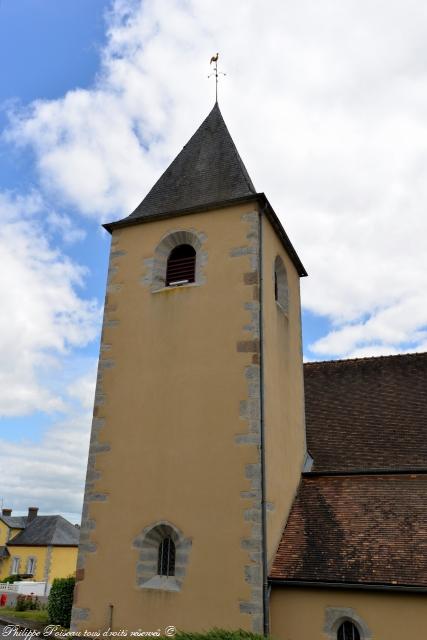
43,316
82,389
63,225
327,103
49,474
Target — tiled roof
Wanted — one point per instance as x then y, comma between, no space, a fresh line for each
360,516
207,170
369,529
47,530
367,413
15,522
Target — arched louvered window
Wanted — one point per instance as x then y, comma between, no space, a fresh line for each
348,631
181,265
166,558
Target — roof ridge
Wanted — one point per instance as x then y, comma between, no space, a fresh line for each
365,358
360,473
207,169
241,164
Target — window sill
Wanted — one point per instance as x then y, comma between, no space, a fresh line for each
176,286
162,583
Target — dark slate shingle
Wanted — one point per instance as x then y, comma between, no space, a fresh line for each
207,170
47,530
15,522
207,174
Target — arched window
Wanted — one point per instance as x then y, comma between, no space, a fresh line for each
281,294
163,557
166,557
181,265
348,631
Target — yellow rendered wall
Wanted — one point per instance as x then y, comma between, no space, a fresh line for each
24,553
4,531
170,411
6,535
4,564
63,562
300,614
4,568
284,391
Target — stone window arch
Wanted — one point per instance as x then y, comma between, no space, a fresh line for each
281,291
157,266
156,544
341,623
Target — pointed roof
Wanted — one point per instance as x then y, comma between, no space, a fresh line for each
207,170
207,174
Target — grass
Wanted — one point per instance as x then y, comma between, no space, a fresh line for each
38,615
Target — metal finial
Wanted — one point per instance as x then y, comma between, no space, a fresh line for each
216,73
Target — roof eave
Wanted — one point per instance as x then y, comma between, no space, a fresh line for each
39,544
365,586
260,198
278,227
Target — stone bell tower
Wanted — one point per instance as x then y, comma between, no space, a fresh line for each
198,435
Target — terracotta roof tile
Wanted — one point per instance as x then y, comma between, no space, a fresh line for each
357,529
367,413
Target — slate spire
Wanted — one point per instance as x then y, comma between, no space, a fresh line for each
207,171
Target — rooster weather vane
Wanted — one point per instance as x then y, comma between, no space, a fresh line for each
216,73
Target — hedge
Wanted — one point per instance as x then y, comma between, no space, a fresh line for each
60,601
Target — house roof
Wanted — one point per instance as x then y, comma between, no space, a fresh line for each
368,413
15,522
47,530
207,174
208,169
367,529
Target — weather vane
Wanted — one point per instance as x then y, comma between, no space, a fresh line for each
216,73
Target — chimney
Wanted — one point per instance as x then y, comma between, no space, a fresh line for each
6,512
32,513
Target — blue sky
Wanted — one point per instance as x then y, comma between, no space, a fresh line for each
96,99
47,48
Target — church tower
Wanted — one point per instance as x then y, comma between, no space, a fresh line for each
198,437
